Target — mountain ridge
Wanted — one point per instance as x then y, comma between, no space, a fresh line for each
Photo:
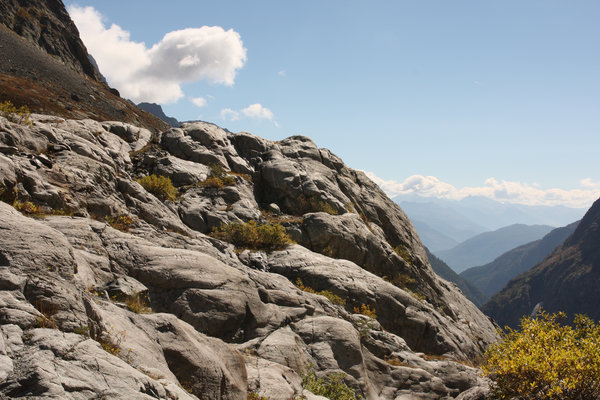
492,277
567,280
485,247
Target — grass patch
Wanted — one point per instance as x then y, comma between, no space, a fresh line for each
18,115
27,208
314,203
366,310
218,178
160,186
138,304
122,223
251,235
332,386
401,280
334,298
403,252
281,218
396,362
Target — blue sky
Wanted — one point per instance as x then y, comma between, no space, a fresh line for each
440,98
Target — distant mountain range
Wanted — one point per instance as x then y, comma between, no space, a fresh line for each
485,247
442,223
492,277
567,280
469,289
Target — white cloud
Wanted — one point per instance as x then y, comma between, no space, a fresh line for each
283,72
503,191
155,74
229,114
257,111
198,101
254,111
588,183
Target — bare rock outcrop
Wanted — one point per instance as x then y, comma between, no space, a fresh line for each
157,308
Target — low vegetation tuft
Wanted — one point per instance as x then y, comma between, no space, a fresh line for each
18,115
366,310
160,186
122,222
313,203
218,178
138,303
332,386
250,235
403,252
334,298
546,360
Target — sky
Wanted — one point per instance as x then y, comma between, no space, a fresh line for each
436,98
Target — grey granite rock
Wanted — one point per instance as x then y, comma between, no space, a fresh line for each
224,320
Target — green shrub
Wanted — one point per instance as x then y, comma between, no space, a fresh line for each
27,207
403,252
159,186
251,235
314,203
19,115
401,280
332,386
122,222
218,178
546,360
365,309
334,298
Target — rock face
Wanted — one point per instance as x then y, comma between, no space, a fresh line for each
157,111
47,24
45,67
75,293
567,280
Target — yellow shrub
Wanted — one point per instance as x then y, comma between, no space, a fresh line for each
19,115
365,309
403,252
160,186
27,207
251,235
218,178
334,298
546,360
122,222
314,203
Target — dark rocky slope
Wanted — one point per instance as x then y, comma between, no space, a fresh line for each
45,66
157,111
492,277
567,280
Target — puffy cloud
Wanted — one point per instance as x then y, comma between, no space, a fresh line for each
588,183
257,111
229,114
503,191
254,111
155,74
198,101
